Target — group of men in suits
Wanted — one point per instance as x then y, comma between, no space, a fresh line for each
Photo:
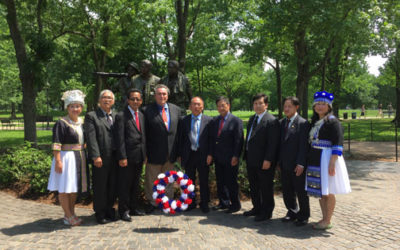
119,144
156,135
271,143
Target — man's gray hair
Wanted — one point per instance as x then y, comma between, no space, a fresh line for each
105,91
161,86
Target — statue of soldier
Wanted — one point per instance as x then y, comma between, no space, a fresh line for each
178,84
146,82
125,83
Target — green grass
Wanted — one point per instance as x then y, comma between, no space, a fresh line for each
9,138
360,130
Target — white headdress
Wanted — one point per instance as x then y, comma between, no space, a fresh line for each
73,96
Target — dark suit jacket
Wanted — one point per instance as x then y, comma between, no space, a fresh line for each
184,146
131,143
99,134
160,142
294,145
230,142
263,143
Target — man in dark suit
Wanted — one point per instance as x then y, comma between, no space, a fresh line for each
101,149
261,147
292,160
194,150
131,151
161,119
227,143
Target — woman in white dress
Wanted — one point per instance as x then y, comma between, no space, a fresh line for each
69,175
326,169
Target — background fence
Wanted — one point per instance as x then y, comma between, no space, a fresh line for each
370,130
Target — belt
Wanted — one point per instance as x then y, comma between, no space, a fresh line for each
72,147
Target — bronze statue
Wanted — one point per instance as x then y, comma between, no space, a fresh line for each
178,84
126,83
146,82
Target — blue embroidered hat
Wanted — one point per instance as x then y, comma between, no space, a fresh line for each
323,96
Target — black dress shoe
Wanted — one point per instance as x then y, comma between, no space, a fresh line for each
220,207
191,207
126,217
150,209
300,223
233,209
251,212
111,216
103,220
262,217
135,212
287,218
205,209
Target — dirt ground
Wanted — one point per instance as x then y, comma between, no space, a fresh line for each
371,151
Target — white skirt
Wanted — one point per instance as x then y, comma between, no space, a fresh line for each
337,184
67,181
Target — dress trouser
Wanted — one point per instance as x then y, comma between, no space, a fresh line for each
104,187
227,184
196,163
152,171
261,189
293,186
128,186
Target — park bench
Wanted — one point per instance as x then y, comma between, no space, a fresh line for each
393,112
43,119
7,123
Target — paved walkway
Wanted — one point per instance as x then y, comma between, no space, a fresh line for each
369,217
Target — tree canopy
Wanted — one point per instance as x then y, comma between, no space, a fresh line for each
234,48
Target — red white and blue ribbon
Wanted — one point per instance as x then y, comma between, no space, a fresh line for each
162,200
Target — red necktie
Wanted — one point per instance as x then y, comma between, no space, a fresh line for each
164,117
137,120
221,125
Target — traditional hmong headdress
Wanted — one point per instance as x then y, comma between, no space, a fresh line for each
73,96
323,96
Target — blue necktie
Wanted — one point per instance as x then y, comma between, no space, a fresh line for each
193,133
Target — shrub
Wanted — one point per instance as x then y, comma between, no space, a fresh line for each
26,166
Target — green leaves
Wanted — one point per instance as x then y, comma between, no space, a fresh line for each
26,166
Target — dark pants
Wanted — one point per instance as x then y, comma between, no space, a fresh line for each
262,189
227,184
196,163
104,191
293,185
128,186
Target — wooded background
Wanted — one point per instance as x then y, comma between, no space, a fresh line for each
234,48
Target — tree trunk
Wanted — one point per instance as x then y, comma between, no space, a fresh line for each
278,87
26,76
13,111
198,78
302,89
303,77
323,78
396,69
336,74
202,79
170,51
397,118
182,13
99,61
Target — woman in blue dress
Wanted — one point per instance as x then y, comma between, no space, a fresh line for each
326,169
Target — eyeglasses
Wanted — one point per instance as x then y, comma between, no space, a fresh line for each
134,99
107,97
